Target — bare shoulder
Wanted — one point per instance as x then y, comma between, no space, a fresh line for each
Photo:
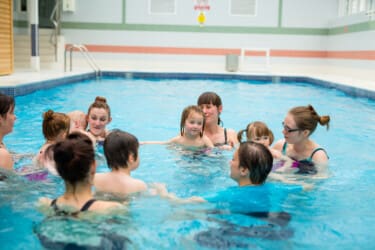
107,206
320,157
44,201
6,160
141,185
279,145
232,136
100,179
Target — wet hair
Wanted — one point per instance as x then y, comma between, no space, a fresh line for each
210,98
185,114
307,118
6,103
54,123
257,159
118,146
73,157
258,129
101,103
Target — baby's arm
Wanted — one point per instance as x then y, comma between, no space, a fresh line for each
207,142
161,190
173,140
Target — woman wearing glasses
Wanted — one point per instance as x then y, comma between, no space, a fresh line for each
299,123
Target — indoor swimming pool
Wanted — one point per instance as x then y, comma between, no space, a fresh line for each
336,214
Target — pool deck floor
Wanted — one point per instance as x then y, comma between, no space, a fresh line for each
363,79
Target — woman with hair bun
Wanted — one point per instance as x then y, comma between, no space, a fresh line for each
299,123
55,127
98,116
75,163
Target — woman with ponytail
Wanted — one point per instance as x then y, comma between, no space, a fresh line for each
299,123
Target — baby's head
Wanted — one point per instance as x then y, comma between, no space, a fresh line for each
257,159
194,114
77,120
257,132
55,125
119,146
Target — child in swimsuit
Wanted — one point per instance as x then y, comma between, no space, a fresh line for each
121,153
191,130
78,122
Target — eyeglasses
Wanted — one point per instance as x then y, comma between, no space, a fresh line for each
289,130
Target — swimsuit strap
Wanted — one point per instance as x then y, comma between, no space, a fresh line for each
87,205
316,150
225,136
285,145
53,204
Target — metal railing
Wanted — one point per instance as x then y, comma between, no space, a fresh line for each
56,21
84,51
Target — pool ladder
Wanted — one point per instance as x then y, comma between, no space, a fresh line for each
85,52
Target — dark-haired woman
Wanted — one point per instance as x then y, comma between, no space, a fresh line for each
7,119
212,107
75,163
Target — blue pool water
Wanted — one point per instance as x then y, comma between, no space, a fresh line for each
336,214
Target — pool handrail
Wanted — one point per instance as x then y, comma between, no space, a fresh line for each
85,52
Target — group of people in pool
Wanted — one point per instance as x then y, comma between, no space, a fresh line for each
69,150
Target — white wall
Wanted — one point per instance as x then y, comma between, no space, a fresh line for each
137,12
308,13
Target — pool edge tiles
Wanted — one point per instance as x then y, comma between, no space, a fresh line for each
30,87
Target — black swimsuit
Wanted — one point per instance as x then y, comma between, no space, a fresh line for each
225,139
84,208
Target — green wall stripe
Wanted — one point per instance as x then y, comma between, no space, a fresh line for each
280,17
123,11
195,28
358,27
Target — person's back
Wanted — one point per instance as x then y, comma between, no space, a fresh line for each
121,152
75,163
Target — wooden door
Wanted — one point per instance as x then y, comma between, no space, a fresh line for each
6,37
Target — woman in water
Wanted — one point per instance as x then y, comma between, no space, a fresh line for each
98,117
212,107
7,119
299,124
75,163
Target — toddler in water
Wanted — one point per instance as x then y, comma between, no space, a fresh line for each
191,130
55,127
121,153
79,123
259,132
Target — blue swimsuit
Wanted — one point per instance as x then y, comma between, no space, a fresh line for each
305,166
